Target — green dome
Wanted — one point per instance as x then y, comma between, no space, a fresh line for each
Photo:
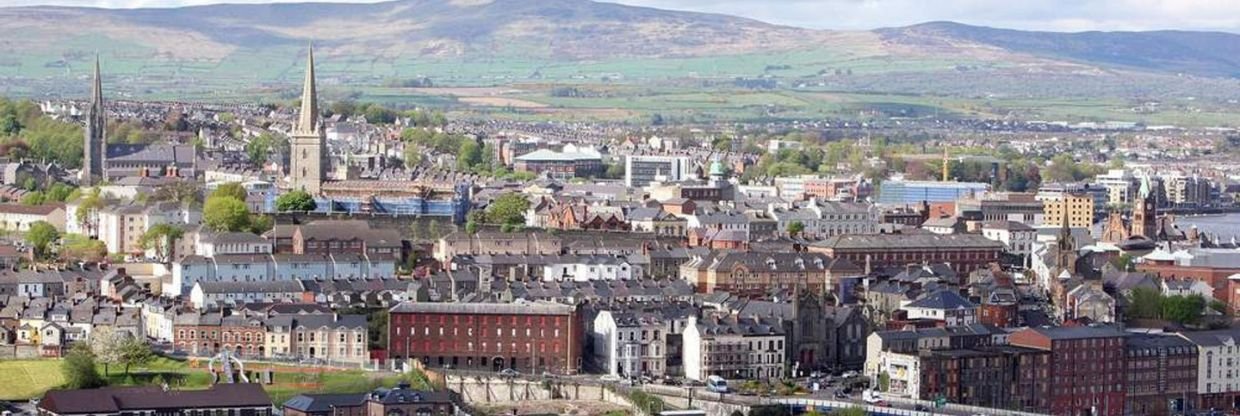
716,168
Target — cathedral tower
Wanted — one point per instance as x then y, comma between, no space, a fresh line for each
1144,214
93,161
306,171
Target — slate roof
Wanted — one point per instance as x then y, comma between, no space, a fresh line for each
1080,332
943,299
908,241
732,325
153,153
275,286
1214,338
484,308
112,400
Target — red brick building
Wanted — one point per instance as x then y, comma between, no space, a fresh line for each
210,333
1087,369
1162,375
1002,377
530,338
965,252
1003,315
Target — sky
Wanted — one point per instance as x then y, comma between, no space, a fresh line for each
1053,15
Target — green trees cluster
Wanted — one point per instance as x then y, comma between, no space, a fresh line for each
26,133
77,247
260,148
379,114
79,368
225,210
58,192
295,201
507,211
40,237
162,238
1063,168
1149,303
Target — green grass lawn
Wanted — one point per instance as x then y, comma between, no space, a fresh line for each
24,379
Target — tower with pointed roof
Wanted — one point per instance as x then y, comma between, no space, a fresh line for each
1144,214
307,145
1066,254
94,149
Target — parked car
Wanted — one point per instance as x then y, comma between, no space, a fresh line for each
508,372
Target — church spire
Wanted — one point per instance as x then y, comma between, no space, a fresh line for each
96,93
93,164
309,121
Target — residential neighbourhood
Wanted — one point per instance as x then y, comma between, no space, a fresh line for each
525,259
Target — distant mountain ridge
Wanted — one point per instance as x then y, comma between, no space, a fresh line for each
1199,53
488,42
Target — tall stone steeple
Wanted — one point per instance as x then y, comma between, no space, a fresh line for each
306,170
95,147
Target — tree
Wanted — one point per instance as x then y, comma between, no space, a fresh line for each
41,235
1144,303
614,171
1124,262
471,227
175,121
162,238
59,192
231,190
795,228
133,351
508,208
79,368
261,223
1183,309
186,192
468,156
884,381
105,346
261,148
87,213
34,198
296,201
79,248
413,155
225,214
9,125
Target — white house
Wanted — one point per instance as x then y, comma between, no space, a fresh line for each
1218,353
213,244
18,217
630,343
275,267
1017,237
824,219
947,306
733,348
1187,287
903,370
210,295
587,268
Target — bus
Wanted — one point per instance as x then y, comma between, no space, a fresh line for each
716,384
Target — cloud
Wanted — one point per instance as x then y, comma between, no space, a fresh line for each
1055,15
